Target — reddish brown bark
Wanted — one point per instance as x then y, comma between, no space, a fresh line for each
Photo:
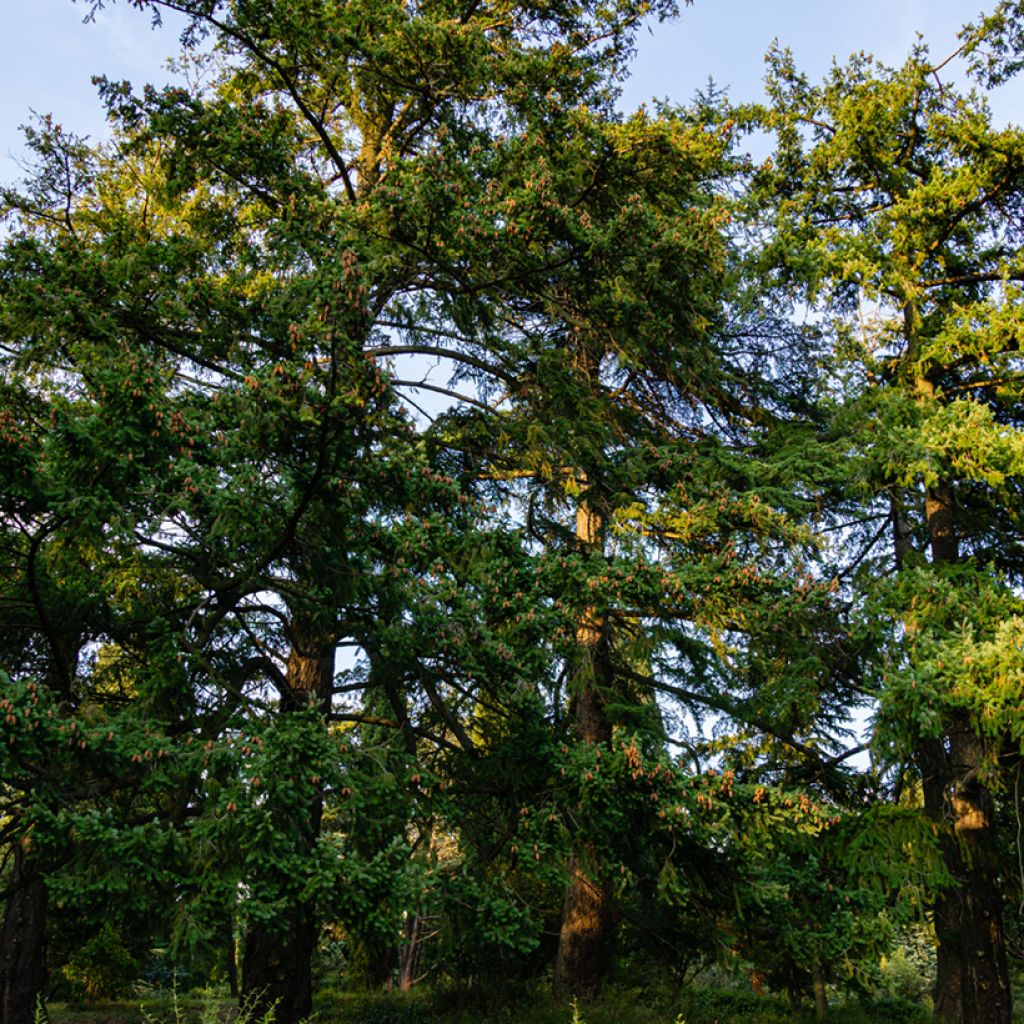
972,979
412,949
23,942
584,941
588,922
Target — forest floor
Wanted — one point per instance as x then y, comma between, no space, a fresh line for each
698,1006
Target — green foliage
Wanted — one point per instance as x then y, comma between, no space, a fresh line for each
908,973
708,1004
889,204
653,500
101,969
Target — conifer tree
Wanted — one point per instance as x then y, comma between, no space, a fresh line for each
893,206
318,182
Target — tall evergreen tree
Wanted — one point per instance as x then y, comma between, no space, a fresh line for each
893,208
288,216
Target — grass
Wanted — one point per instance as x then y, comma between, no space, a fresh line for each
700,1006
153,1008
527,1006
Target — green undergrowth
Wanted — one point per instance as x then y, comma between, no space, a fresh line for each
700,1006
152,1008
464,1006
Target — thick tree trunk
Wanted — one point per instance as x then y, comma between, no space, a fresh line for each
939,510
986,983
277,956
588,921
23,942
972,980
584,941
277,972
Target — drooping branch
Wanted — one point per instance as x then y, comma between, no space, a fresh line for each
442,391
442,353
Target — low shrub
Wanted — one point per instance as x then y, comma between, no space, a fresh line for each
884,1010
722,1006
100,969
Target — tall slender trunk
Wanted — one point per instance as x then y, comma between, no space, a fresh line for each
412,948
23,941
818,987
277,956
972,981
902,547
231,957
588,922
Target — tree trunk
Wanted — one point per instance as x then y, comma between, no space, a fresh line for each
409,970
23,942
584,940
972,984
820,996
231,958
277,968
278,956
939,510
986,983
972,980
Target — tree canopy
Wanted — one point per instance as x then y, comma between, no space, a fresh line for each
560,668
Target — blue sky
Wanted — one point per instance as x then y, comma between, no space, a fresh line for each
727,39
50,55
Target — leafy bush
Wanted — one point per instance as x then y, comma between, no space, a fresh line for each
100,969
349,1008
724,1006
893,1010
160,972
909,973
